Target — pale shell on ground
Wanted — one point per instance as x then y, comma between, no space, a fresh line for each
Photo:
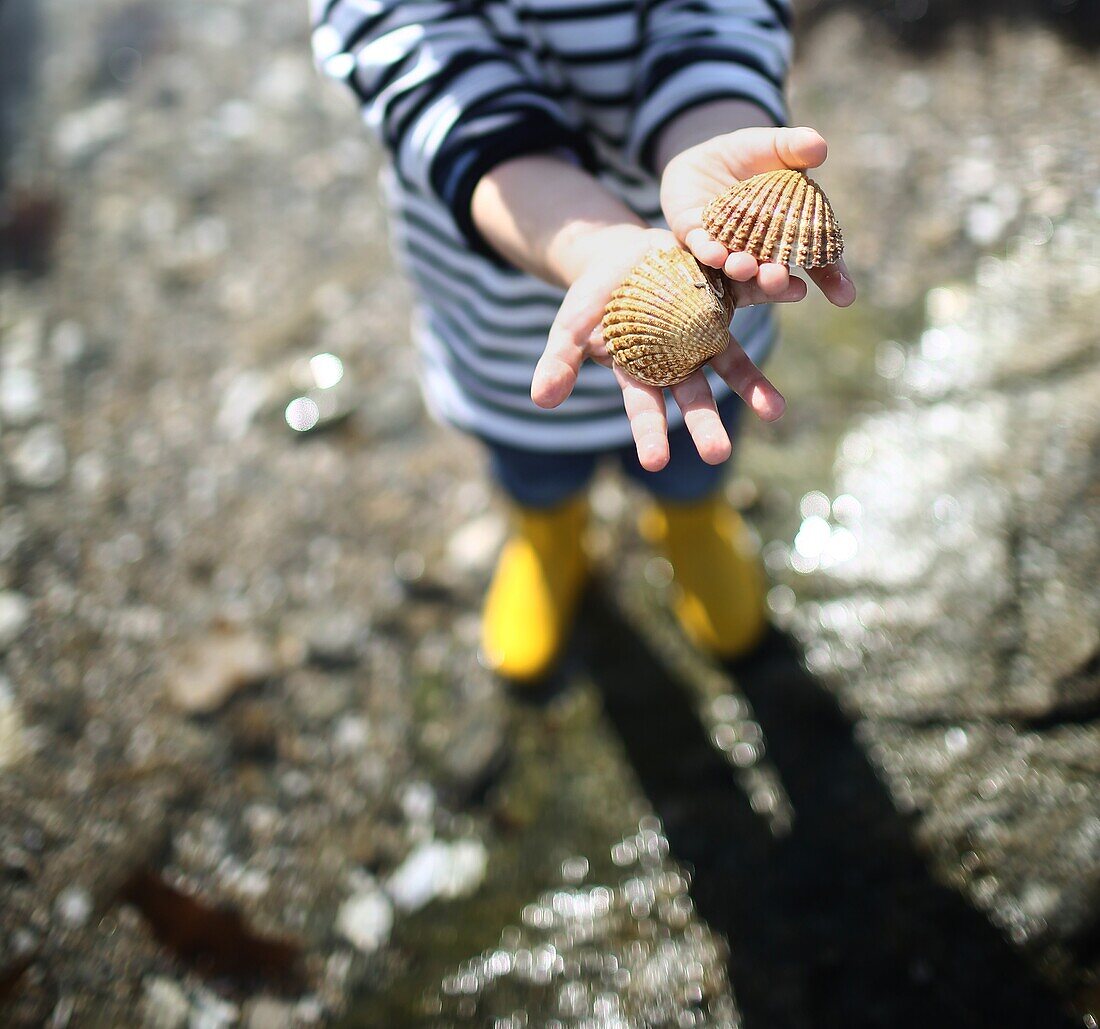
669,317
778,216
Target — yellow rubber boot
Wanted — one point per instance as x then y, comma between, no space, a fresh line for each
534,592
720,584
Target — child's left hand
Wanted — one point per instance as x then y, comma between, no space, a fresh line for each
693,177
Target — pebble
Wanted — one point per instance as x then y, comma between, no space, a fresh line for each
74,906
365,919
334,639
39,459
80,135
15,612
68,342
216,667
438,870
20,396
212,1012
473,546
268,1013
12,742
164,1005
243,400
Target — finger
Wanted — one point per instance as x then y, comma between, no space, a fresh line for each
741,267
749,382
706,250
748,293
834,281
695,400
773,278
645,410
556,372
768,149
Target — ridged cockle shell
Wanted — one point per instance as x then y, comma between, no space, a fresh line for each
779,216
669,317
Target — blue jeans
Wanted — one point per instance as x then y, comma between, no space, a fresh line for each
536,479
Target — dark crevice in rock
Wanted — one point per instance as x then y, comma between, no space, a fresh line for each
1009,627
1081,713
839,922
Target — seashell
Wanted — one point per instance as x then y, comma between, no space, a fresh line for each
779,216
669,317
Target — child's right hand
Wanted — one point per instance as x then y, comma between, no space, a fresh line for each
701,172
597,264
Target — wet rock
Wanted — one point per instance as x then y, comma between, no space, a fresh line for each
966,581
952,581
632,953
164,1005
437,870
365,919
15,612
39,459
216,667
1013,817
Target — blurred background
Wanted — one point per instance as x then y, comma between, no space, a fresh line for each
250,770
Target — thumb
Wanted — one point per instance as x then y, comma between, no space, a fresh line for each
769,149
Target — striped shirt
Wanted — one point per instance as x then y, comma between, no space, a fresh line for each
454,88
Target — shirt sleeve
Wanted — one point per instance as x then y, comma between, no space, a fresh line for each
697,51
447,94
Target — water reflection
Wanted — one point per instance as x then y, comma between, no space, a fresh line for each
606,956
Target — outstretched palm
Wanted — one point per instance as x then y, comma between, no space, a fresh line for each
693,177
575,336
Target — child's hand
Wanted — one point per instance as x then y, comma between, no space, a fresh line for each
599,263
694,177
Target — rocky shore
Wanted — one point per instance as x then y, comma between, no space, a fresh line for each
250,769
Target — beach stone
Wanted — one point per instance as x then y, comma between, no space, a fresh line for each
164,1005
472,548
365,919
210,1011
268,1013
39,459
74,906
212,669
12,741
20,396
15,613
438,870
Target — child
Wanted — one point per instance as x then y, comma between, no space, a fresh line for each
535,144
